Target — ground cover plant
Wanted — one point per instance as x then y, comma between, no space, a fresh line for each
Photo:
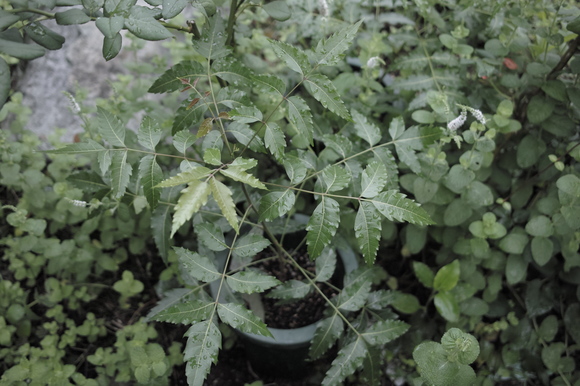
437,141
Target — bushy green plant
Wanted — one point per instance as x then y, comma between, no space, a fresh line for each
469,107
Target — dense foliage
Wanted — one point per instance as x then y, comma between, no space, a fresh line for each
438,140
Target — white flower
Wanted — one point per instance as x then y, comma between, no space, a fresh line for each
373,62
457,122
323,5
478,115
79,203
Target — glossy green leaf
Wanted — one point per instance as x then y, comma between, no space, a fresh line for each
348,360
274,139
71,17
294,58
322,226
79,148
150,174
373,179
21,50
435,368
223,196
460,347
447,277
161,226
192,198
89,182
354,296
120,173
204,341
365,129
172,8
112,47
335,177
232,71
212,156
144,26
186,313
171,79
198,266
296,168
44,36
190,175
329,51
269,83
396,207
367,229
110,26
278,10
241,318
324,91
248,282
447,306
237,174
327,333
246,114
276,204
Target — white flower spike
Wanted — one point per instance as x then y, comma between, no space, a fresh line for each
457,122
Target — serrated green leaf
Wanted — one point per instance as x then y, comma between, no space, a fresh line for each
89,182
348,360
112,47
354,296
327,333
372,368
223,196
267,83
150,174
300,117
201,351
190,175
71,17
436,369
384,155
384,331
212,43
325,265
335,177
232,71
294,58
170,299
249,282
424,274
110,127
237,316
447,277
172,8
291,289
211,236
149,133
338,143
79,148
250,245
119,7
183,140
238,174
21,50
274,139
212,156
276,204
296,168
365,129
120,173
322,226
246,136
198,266
186,313
110,26
193,197
373,179
324,91
246,114
171,79
367,229
397,127
329,51
394,206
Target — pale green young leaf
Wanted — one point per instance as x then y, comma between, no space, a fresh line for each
373,179
348,360
396,207
150,174
294,58
149,133
171,80
324,91
223,196
327,333
367,229
325,265
249,282
211,236
249,245
120,173
354,296
238,174
322,226
300,117
365,129
193,197
384,331
274,139
335,177
204,341
212,43
79,148
290,290
276,204
268,83
447,277
244,163
212,156
111,129
236,316
329,51
190,175
246,114
186,313
296,168
198,266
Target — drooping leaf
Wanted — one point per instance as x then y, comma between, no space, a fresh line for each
325,265
384,331
372,371
112,46
110,26
120,173
44,36
249,282
170,298
238,174
204,341
324,91
237,316
276,204
193,197
294,58
161,228
291,289
150,174
149,133
367,228
274,139
329,51
198,266
322,226
21,50
186,313
300,117
110,128
384,155
373,179
211,236
348,360
71,17
171,79
223,196
327,333
212,43
365,129
395,206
